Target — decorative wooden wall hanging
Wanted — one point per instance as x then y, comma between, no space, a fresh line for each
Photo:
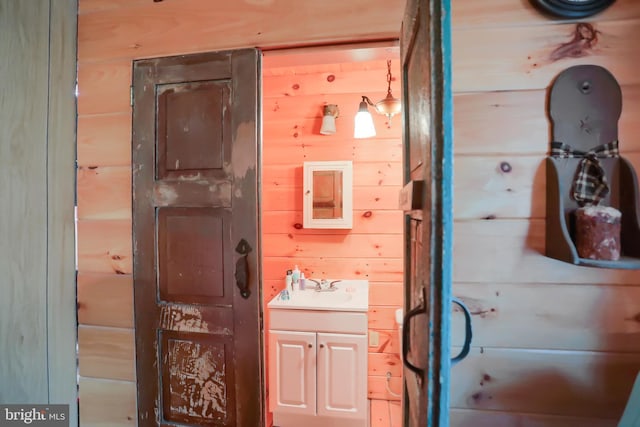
585,103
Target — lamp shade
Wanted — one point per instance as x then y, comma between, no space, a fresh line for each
329,114
364,127
328,125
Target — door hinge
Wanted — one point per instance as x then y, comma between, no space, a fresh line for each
131,95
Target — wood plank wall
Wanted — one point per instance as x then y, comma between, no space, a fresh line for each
555,344
111,34
293,98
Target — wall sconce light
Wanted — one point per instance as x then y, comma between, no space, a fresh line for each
330,113
389,106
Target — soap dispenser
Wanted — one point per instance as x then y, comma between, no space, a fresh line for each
296,275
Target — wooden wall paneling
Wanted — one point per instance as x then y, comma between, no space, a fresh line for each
467,417
499,187
597,317
107,403
364,222
332,149
61,154
367,198
103,87
105,247
516,255
104,192
106,353
567,383
380,416
382,317
24,41
169,28
507,13
332,246
389,342
381,363
379,173
377,388
529,57
328,83
104,140
515,122
385,294
105,300
387,269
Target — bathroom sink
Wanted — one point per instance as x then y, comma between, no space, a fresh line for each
349,295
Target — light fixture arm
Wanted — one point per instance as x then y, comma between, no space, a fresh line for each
389,106
367,100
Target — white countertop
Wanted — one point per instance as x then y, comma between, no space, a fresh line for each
349,295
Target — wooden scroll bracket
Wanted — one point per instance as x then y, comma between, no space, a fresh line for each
585,103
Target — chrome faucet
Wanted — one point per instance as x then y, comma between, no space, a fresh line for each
323,285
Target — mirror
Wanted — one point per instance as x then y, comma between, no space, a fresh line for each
327,194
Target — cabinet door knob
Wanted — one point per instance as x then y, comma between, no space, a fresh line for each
321,345
310,345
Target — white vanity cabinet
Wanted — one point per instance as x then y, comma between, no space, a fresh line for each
318,368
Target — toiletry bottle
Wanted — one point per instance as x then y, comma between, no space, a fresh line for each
288,281
296,275
302,282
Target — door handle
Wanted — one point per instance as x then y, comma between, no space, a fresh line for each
242,268
468,332
406,335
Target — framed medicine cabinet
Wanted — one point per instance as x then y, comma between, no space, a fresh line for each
328,194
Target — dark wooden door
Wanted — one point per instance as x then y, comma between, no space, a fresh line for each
195,240
426,56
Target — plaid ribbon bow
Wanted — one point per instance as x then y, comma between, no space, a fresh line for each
590,182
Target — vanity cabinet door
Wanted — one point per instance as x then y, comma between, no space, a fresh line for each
292,372
342,375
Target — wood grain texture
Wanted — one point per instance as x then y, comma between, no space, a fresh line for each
104,87
105,300
107,403
381,173
530,56
383,269
380,416
516,255
147,29
24,41
499,187
106,353
61,274
566,383
377,388
104,140
596,317
516,123
105,247
334,246
104,193
364,222
366,198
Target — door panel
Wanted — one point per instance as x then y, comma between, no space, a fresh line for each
427,103
292,372
195,149
342,379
